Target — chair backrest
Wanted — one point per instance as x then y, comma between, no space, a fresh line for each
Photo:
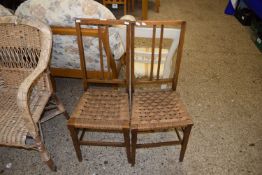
23,42
100,29
160,61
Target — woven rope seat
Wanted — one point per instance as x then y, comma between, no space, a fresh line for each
157,109
101,109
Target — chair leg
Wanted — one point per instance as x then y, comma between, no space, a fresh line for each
127,143
44,154
133,152
184,142
60,106
76,144
51,165
53,83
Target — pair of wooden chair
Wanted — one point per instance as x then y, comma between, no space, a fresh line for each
126,108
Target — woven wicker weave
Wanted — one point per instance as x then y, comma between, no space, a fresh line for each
20,49
13,130
25,86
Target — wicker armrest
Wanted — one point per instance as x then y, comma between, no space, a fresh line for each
23,97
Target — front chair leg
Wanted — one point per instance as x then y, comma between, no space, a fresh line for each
76,144
134,140
44,154
127,143
186,135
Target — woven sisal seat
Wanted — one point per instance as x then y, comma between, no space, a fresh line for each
103,109
158,110
25,85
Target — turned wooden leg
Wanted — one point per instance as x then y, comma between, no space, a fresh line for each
76,144
127,143
133,152
44,154
186,135
53,83
51,165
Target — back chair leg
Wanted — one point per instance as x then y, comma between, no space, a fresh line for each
60,106
76,144
186,135
127,143
44,154
53,83
51,165
134,141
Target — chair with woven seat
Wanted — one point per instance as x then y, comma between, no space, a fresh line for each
156,106
25,87
100,109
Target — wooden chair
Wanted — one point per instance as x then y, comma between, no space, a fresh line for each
118,2
25,87
101,110
160,109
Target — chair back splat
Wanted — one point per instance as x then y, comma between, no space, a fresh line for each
158,61
101,31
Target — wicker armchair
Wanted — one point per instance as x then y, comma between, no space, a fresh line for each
25,86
